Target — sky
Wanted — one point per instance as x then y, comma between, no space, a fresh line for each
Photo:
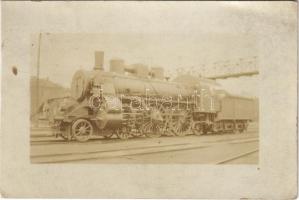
62,54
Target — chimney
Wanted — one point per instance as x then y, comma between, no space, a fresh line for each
99,60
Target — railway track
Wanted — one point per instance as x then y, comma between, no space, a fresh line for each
64,157
237,157
40,140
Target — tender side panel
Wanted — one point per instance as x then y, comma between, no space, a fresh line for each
227,110
244,108
236,108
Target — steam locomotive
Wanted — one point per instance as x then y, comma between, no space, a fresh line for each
133,101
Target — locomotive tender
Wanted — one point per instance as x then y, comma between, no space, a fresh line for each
136,101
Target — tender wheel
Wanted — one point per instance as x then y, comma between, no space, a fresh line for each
82,130
241,127
123,133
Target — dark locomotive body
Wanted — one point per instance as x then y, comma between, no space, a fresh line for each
134,101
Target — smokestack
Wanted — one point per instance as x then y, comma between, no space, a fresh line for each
99,60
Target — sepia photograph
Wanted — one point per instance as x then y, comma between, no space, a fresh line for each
119,98
149,99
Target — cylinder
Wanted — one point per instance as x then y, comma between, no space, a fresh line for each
117,66
99,60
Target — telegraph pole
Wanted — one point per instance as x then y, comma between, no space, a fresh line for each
37,75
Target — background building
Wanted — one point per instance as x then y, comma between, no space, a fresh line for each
47,91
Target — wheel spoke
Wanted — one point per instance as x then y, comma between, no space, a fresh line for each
82,130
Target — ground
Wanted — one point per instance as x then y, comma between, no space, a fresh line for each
207,149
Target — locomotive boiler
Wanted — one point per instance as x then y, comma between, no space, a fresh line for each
135,101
